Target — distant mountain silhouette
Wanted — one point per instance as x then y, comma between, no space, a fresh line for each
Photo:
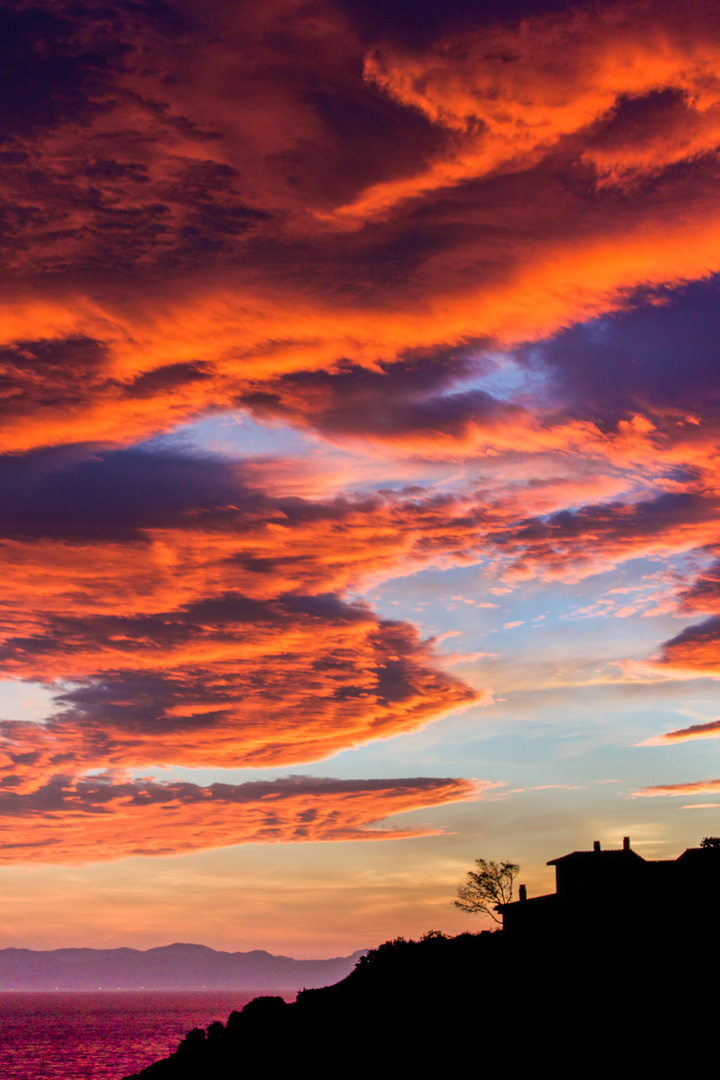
171,967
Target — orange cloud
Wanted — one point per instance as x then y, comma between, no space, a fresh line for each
704,594
81,819
180,252
183,618
597,537
248,693
694,651
505,100
259,208
695,787
710,730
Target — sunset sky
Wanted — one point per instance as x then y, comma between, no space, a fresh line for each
359,488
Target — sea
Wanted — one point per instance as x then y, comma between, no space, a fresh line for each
101,1035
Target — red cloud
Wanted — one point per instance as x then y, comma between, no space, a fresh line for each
507,102
183,252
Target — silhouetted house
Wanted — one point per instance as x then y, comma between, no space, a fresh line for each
618,892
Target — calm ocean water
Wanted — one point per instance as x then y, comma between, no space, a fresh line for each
100,1036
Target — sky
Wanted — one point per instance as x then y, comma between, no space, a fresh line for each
359,485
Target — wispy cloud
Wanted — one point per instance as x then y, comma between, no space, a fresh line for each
695,787
711,730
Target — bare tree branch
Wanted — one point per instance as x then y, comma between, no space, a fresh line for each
491,884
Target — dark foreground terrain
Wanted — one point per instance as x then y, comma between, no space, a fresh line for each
581,1003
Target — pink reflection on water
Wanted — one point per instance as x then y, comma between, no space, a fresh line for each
101,1036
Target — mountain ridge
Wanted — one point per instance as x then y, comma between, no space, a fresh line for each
179,966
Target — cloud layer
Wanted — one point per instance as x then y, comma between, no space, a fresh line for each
218,197
488,273
109,816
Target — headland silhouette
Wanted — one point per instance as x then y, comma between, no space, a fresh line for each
611,973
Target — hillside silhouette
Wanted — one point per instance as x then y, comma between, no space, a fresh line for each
607,978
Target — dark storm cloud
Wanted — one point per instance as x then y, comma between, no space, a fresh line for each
390,402
417,23
55,61
83,494
661,356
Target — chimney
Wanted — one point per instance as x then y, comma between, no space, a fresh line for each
596,845
522,892
626,843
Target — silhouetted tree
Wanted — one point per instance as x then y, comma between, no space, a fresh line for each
491,884
192,1042
710,841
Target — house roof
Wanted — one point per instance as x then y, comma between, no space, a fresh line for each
548,900
694,854
593,856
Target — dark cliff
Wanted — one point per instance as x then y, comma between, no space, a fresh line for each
478,1002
